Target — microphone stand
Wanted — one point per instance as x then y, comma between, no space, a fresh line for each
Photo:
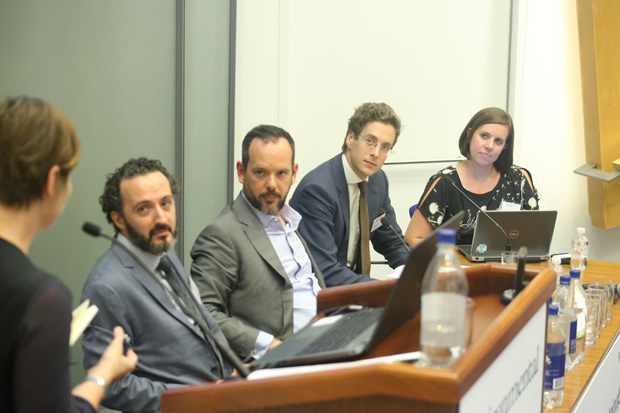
385,223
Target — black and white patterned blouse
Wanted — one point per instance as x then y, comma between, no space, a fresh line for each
512,190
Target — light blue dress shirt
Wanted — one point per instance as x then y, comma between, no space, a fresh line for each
297,266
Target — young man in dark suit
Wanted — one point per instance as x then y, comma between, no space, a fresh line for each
337,224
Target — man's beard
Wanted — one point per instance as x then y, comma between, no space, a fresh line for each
146,244
260,206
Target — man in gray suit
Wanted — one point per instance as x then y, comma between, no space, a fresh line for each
138,200
254,271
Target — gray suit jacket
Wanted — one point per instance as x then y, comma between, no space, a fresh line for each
171,350
241,279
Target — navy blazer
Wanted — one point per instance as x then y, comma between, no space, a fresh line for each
322,198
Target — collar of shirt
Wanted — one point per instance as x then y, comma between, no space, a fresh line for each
349,174
151,260
289,215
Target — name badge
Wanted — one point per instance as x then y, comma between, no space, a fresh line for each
509,206
377,222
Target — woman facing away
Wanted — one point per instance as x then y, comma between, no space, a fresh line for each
487,176
38,149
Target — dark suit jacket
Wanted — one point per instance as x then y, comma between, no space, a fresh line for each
170,349
322,198
241,279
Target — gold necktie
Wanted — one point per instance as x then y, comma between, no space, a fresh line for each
364,230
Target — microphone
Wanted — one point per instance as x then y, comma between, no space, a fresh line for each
451,182
95,231
385,223
511,293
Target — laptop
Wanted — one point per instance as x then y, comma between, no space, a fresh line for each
531,229
354,334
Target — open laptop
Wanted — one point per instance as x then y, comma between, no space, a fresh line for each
532,229
320,342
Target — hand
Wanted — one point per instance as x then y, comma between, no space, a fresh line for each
274,343
113,365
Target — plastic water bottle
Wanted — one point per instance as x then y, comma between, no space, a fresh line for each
579,303
567,318
444,294
556,265
579,250
555,355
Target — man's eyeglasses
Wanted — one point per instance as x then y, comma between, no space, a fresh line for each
372,143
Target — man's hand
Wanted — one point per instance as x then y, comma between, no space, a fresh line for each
274,343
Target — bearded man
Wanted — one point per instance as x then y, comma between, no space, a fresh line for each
171,343
254,271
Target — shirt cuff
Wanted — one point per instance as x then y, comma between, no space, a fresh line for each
263,341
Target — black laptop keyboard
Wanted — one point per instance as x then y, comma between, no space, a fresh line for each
343,332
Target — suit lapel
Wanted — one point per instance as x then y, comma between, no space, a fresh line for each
153,287
255,232
315,268
206,317
343,190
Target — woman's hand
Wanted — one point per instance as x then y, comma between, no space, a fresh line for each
113,365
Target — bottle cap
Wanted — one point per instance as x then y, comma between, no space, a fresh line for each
556,260
574,273
564,280
553,310
447,236
581,230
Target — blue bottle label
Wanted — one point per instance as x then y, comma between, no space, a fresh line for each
555,360
572,347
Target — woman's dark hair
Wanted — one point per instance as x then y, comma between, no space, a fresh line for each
484,117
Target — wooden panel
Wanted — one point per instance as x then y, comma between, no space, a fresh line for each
599,45
393,387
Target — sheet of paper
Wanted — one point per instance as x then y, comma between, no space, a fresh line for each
397,272
325,321
81,318
287,371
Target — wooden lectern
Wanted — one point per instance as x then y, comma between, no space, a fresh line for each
404,387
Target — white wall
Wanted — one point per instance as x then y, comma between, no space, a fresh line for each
551,123
307,64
